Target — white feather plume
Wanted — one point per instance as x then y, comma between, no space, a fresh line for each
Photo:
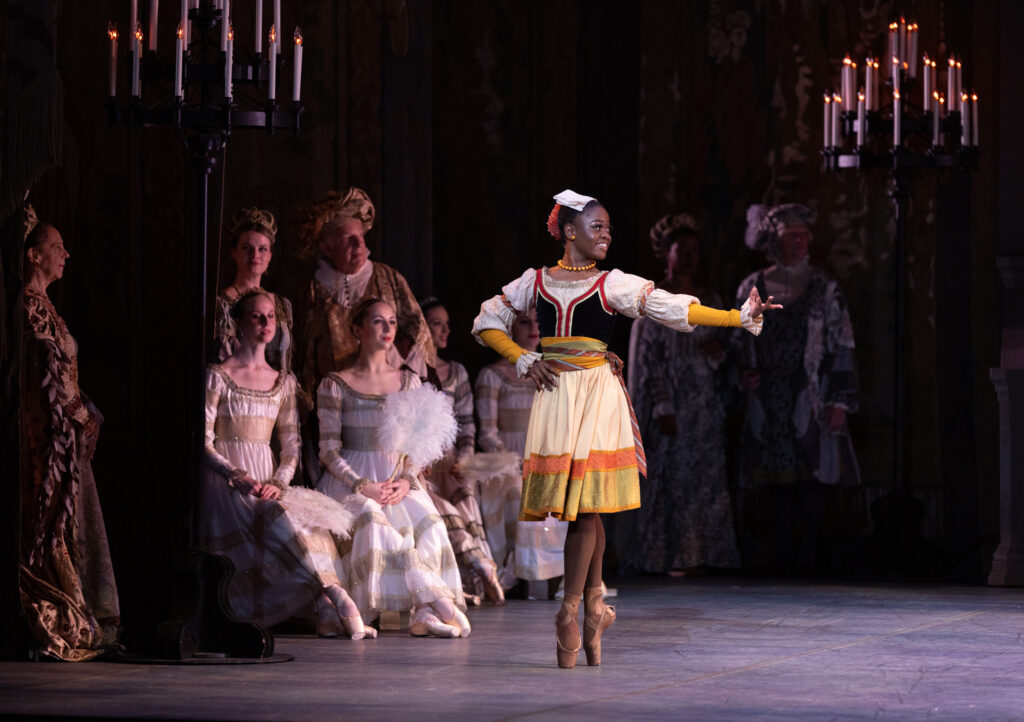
418,423
310,510
491,465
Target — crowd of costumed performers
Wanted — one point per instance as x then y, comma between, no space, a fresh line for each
355,473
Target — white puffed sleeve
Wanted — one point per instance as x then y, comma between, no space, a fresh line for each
634,297
500,312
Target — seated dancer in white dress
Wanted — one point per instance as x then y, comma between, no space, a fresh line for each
282,540
454,493
401,558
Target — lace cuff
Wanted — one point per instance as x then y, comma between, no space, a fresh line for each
524,362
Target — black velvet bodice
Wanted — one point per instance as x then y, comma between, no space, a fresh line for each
586,315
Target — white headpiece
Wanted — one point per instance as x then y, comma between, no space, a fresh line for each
572,199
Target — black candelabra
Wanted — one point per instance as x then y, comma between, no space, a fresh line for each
904,137
205,111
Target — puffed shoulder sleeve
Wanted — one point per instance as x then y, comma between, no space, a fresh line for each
634,297
499,312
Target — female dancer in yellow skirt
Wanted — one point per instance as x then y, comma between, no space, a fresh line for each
583,451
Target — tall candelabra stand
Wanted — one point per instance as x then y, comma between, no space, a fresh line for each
904,137
204,109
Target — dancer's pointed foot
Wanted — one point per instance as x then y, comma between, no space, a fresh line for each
597,617
347,613
567,633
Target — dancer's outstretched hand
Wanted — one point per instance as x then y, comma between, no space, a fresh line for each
758,307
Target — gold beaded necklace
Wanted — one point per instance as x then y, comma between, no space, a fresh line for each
567,267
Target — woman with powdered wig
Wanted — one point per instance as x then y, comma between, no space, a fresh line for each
283,540
583,453
401,559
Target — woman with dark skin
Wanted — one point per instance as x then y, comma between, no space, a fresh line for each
583,452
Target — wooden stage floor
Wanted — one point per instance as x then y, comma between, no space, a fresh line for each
705,649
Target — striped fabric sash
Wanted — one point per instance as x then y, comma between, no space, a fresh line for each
573,353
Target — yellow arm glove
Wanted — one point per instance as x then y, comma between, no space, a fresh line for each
704,316
504,345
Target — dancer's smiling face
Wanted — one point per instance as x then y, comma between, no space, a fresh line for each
590,233
376,330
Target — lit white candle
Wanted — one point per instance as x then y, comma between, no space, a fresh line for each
178,58
875,77
869,83
112,78
837,108
912,49
846,81
297,80
960,81
136,74
897,121
951,85
228,61
272,47
974,118
926,82
895,73
893,47
860,120
258,45
827,134
934,102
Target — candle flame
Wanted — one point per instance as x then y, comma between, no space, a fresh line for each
903,20
875,64
860,96
958,66
895,95
895,60
906,65
935,95
837,98
952,61
138,32
231,32
894,26
914,27
181,31
112,30
273,34
963,97
828,98
974,97
847,61
298,35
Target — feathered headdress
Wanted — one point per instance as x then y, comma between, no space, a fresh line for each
418,424
764,224
329,213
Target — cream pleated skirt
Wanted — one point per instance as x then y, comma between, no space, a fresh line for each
579,456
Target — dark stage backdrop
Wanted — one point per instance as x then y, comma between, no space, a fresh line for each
461,119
